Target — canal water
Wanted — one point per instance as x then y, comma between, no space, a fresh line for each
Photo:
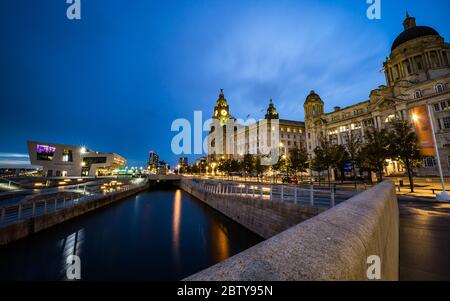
156,235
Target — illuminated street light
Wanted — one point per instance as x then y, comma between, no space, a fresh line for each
83,150
443,196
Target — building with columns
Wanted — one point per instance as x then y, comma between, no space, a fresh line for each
249,138
417,75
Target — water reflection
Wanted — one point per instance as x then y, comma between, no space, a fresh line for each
221,243
157,235
70,245
176,222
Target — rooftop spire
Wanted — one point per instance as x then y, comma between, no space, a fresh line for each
409,22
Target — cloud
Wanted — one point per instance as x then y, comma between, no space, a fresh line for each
13,155
14,160
284,55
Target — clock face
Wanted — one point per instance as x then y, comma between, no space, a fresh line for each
224,112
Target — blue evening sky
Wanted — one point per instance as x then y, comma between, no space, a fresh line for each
116,79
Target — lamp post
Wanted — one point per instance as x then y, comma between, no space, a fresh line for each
443,196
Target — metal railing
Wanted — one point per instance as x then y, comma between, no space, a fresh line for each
294,194
30,209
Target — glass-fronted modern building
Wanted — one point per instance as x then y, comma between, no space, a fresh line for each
60,160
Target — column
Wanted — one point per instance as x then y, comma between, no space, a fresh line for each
412,66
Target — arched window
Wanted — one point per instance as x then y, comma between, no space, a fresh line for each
417,94
439,88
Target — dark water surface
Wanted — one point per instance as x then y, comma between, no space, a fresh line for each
156,235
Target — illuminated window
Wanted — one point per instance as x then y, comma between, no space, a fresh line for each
67,155
389,118
45,152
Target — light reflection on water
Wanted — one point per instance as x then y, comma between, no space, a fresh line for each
176,224
70,245
157,235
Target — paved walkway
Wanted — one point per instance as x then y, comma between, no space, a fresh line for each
424,240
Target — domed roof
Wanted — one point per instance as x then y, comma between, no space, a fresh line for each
413,33
313,97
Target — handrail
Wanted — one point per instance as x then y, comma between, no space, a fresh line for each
26,210
282,193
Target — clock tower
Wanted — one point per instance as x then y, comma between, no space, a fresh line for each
222,110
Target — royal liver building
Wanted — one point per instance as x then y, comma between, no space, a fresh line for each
417,74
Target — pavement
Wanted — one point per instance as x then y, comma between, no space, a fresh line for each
424,240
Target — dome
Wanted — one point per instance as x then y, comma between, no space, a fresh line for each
412,31
313,97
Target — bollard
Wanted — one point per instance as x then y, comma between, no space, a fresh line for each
64,202
34,209
311,194
261,193
333,190
271,188
20,212
45,206
295,195
282,193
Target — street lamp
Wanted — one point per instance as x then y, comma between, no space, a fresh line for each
443,196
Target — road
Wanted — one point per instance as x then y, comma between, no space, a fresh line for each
424,240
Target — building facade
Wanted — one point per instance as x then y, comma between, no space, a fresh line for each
60,160
230,138
153,162
417,73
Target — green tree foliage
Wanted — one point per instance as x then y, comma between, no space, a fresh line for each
375,152
353,148
298,161
323,157
248,164
259,168
404,147
339,157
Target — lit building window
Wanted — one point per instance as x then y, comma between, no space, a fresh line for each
67,155
389,118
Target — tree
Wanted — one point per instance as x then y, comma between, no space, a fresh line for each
298,158
339,157
280,166
319,161
247,164
234,166
259,168
353,148
375,152
323,157
404,147
225,166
